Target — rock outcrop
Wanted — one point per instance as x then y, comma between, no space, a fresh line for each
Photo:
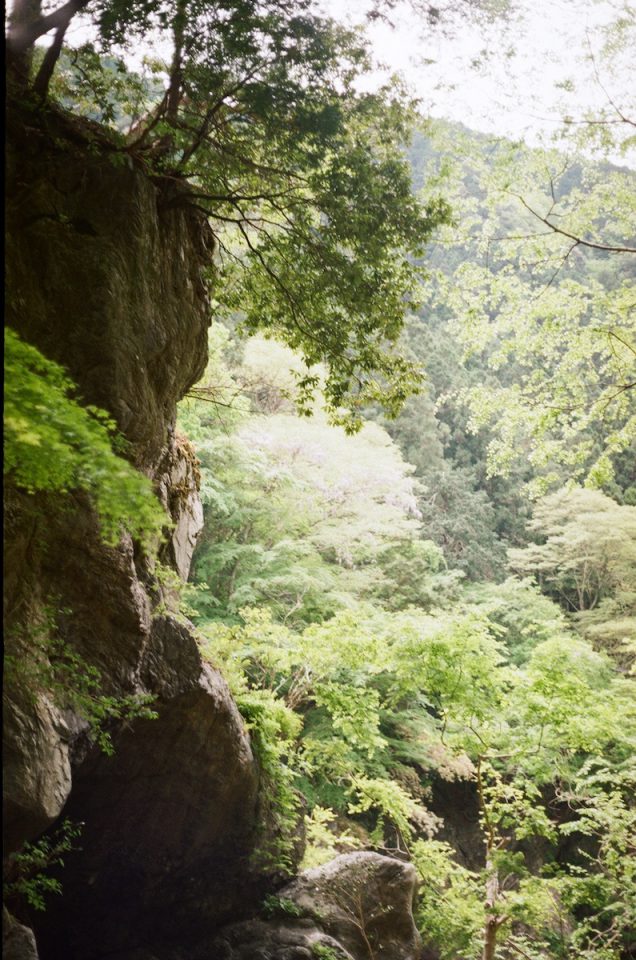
168,820
105,270
105,275
358,906
18,941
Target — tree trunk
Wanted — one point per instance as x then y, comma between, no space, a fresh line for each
23,15
492,920
176,70
43,78
490,938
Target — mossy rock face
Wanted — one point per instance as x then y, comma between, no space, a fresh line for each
105,273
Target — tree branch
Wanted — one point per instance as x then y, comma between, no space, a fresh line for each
52,55
579,241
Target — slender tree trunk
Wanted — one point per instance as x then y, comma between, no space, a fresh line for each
27,24
490,939
492,920
52,55
176,70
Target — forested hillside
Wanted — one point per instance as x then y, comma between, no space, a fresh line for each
320,494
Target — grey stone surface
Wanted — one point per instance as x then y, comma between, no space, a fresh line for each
177,484
359,905
18,941
36,764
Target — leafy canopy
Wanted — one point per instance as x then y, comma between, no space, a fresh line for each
261,110
369,675
538,287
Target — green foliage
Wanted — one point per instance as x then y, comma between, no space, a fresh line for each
595,889
280,908
330,580
539,295
398,673
327,671
26,879
391,802
325,839
321,952
450,911
53,444
525,616
406,675
300,170
588,549
274,729
286,526
103,88
416,574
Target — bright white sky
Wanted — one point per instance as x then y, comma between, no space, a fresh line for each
513,91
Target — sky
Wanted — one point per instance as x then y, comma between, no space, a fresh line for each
506,80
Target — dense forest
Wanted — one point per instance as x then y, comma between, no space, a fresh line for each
408,465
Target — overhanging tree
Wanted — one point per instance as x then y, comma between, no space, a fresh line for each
260,110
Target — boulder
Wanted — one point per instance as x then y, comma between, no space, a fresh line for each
359,905
18,941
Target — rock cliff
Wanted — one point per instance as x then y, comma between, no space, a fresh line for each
106,273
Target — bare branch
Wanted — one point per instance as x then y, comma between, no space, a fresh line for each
578,241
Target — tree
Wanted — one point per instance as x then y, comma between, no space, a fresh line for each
588,550
525,614
546,746
300,172
539,295
539,734
299,517
586,561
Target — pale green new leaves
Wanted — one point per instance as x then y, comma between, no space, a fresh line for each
570,353
586,559
392,802
325,839
298,515
52,443
539,283
451,909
